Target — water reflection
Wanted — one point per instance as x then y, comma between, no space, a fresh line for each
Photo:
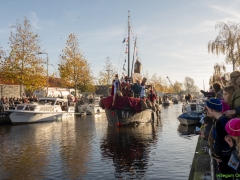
19,158
186,130
129,148
75,146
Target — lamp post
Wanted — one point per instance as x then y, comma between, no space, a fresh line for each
47,67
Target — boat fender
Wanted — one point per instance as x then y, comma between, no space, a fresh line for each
113,113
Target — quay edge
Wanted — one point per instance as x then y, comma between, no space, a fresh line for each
201,162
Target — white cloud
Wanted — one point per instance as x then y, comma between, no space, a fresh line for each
34,20
228,10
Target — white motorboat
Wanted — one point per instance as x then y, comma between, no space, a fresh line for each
47,109
192,113
97,108
90,107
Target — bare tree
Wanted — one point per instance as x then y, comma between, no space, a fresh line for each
107,73
189,84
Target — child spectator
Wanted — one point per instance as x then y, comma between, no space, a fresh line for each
233,139
208,121
221,150
227,97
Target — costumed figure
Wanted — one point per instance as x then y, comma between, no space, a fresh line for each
115,87
143,88
125,87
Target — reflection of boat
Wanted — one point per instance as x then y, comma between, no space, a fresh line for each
186,130
127,110
128,148
4,118
47,109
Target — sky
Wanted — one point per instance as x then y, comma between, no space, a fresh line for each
172,34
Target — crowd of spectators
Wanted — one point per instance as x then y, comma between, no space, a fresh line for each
11,102
221,127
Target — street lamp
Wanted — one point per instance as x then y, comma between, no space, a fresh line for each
47,67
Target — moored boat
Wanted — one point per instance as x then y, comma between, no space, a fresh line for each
127,110
192,113
190,118
167,102
47,109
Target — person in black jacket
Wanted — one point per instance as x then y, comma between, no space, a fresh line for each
221,150
137,89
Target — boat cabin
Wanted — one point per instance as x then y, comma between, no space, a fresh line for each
46,104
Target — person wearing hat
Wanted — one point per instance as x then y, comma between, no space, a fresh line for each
115,85
233,139
221,150
125,87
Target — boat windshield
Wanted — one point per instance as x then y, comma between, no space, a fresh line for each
46,101
30,108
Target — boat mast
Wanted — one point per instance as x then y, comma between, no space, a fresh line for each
128,44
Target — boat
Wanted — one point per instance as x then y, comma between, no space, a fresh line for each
97,109
175,100
46,109
192,113
167,102
89,106
190,118
127,110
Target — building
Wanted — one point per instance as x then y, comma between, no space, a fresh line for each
102,90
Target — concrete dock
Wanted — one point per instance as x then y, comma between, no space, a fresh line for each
200,169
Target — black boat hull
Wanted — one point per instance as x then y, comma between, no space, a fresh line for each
119,117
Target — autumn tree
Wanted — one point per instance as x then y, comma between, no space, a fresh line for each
177,87
22,65
2,57
73,66
107,73
227,43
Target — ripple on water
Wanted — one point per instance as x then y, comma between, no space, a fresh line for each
86,148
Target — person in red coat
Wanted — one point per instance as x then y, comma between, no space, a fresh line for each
151,95
125,87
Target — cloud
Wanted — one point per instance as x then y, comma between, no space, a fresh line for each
34,20
228,10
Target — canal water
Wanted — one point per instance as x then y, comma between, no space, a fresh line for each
86,148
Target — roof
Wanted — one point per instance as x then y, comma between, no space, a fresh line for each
55,99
